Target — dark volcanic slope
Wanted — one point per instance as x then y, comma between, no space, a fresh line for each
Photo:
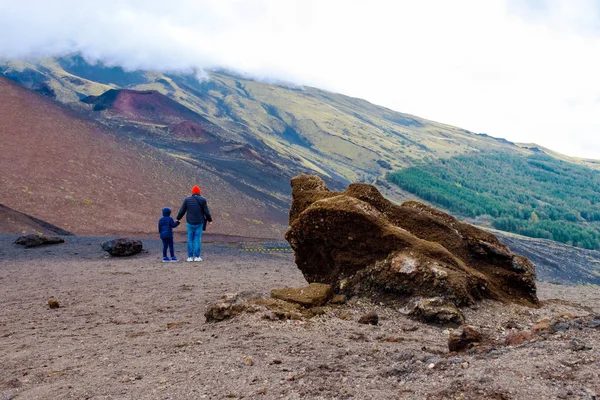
12,221
72,173
556,262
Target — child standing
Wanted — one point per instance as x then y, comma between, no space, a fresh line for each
165,228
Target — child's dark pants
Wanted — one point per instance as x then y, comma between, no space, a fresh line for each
168,243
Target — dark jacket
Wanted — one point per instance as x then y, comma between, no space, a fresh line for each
166,224
197,210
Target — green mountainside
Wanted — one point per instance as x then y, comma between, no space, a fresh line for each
257,135
536,196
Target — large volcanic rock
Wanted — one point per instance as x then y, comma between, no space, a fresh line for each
122,247
361,243
38,240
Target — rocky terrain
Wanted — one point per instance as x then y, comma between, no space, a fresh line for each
134,328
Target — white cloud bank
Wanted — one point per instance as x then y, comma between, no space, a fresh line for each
523,70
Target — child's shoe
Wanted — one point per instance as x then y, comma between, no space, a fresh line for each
166,259
189,259
174,259
197,258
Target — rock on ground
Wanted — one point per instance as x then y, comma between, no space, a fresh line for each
122,247
38,240
362,244
463,338
436,310
315,294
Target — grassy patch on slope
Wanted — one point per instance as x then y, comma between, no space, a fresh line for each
536,196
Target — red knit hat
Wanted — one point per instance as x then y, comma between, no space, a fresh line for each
196,190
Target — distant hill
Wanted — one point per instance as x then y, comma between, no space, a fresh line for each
75,174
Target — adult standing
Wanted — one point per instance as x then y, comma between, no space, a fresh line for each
198,217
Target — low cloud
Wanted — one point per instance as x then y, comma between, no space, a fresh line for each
523,70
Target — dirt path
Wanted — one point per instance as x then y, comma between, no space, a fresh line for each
134,329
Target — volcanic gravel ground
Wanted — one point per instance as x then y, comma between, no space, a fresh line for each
133,328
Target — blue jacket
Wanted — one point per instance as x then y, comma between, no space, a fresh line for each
197,210
166,224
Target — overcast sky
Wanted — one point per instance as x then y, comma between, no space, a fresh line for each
524,70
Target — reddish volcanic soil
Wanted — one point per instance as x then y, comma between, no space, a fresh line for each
191,131
74,174
144,106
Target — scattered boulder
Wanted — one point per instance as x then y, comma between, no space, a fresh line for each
362,244
122,247
369,318
315,294
595,323
231,305
33,240
52,303
338,299
543,326
517,338
435,310
228,306
578,345
512,324
463,338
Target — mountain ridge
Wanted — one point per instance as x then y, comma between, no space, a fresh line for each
257,135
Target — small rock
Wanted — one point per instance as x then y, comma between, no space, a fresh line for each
578,345
270,316
338,299
464,365
514,339
52,303
122,247
370,318
512,324
317,311
567,315
561,327
431,366
38,240
228,306
249,361
594,323
345,316
436,310
404,355
542,326
315,294
463,338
